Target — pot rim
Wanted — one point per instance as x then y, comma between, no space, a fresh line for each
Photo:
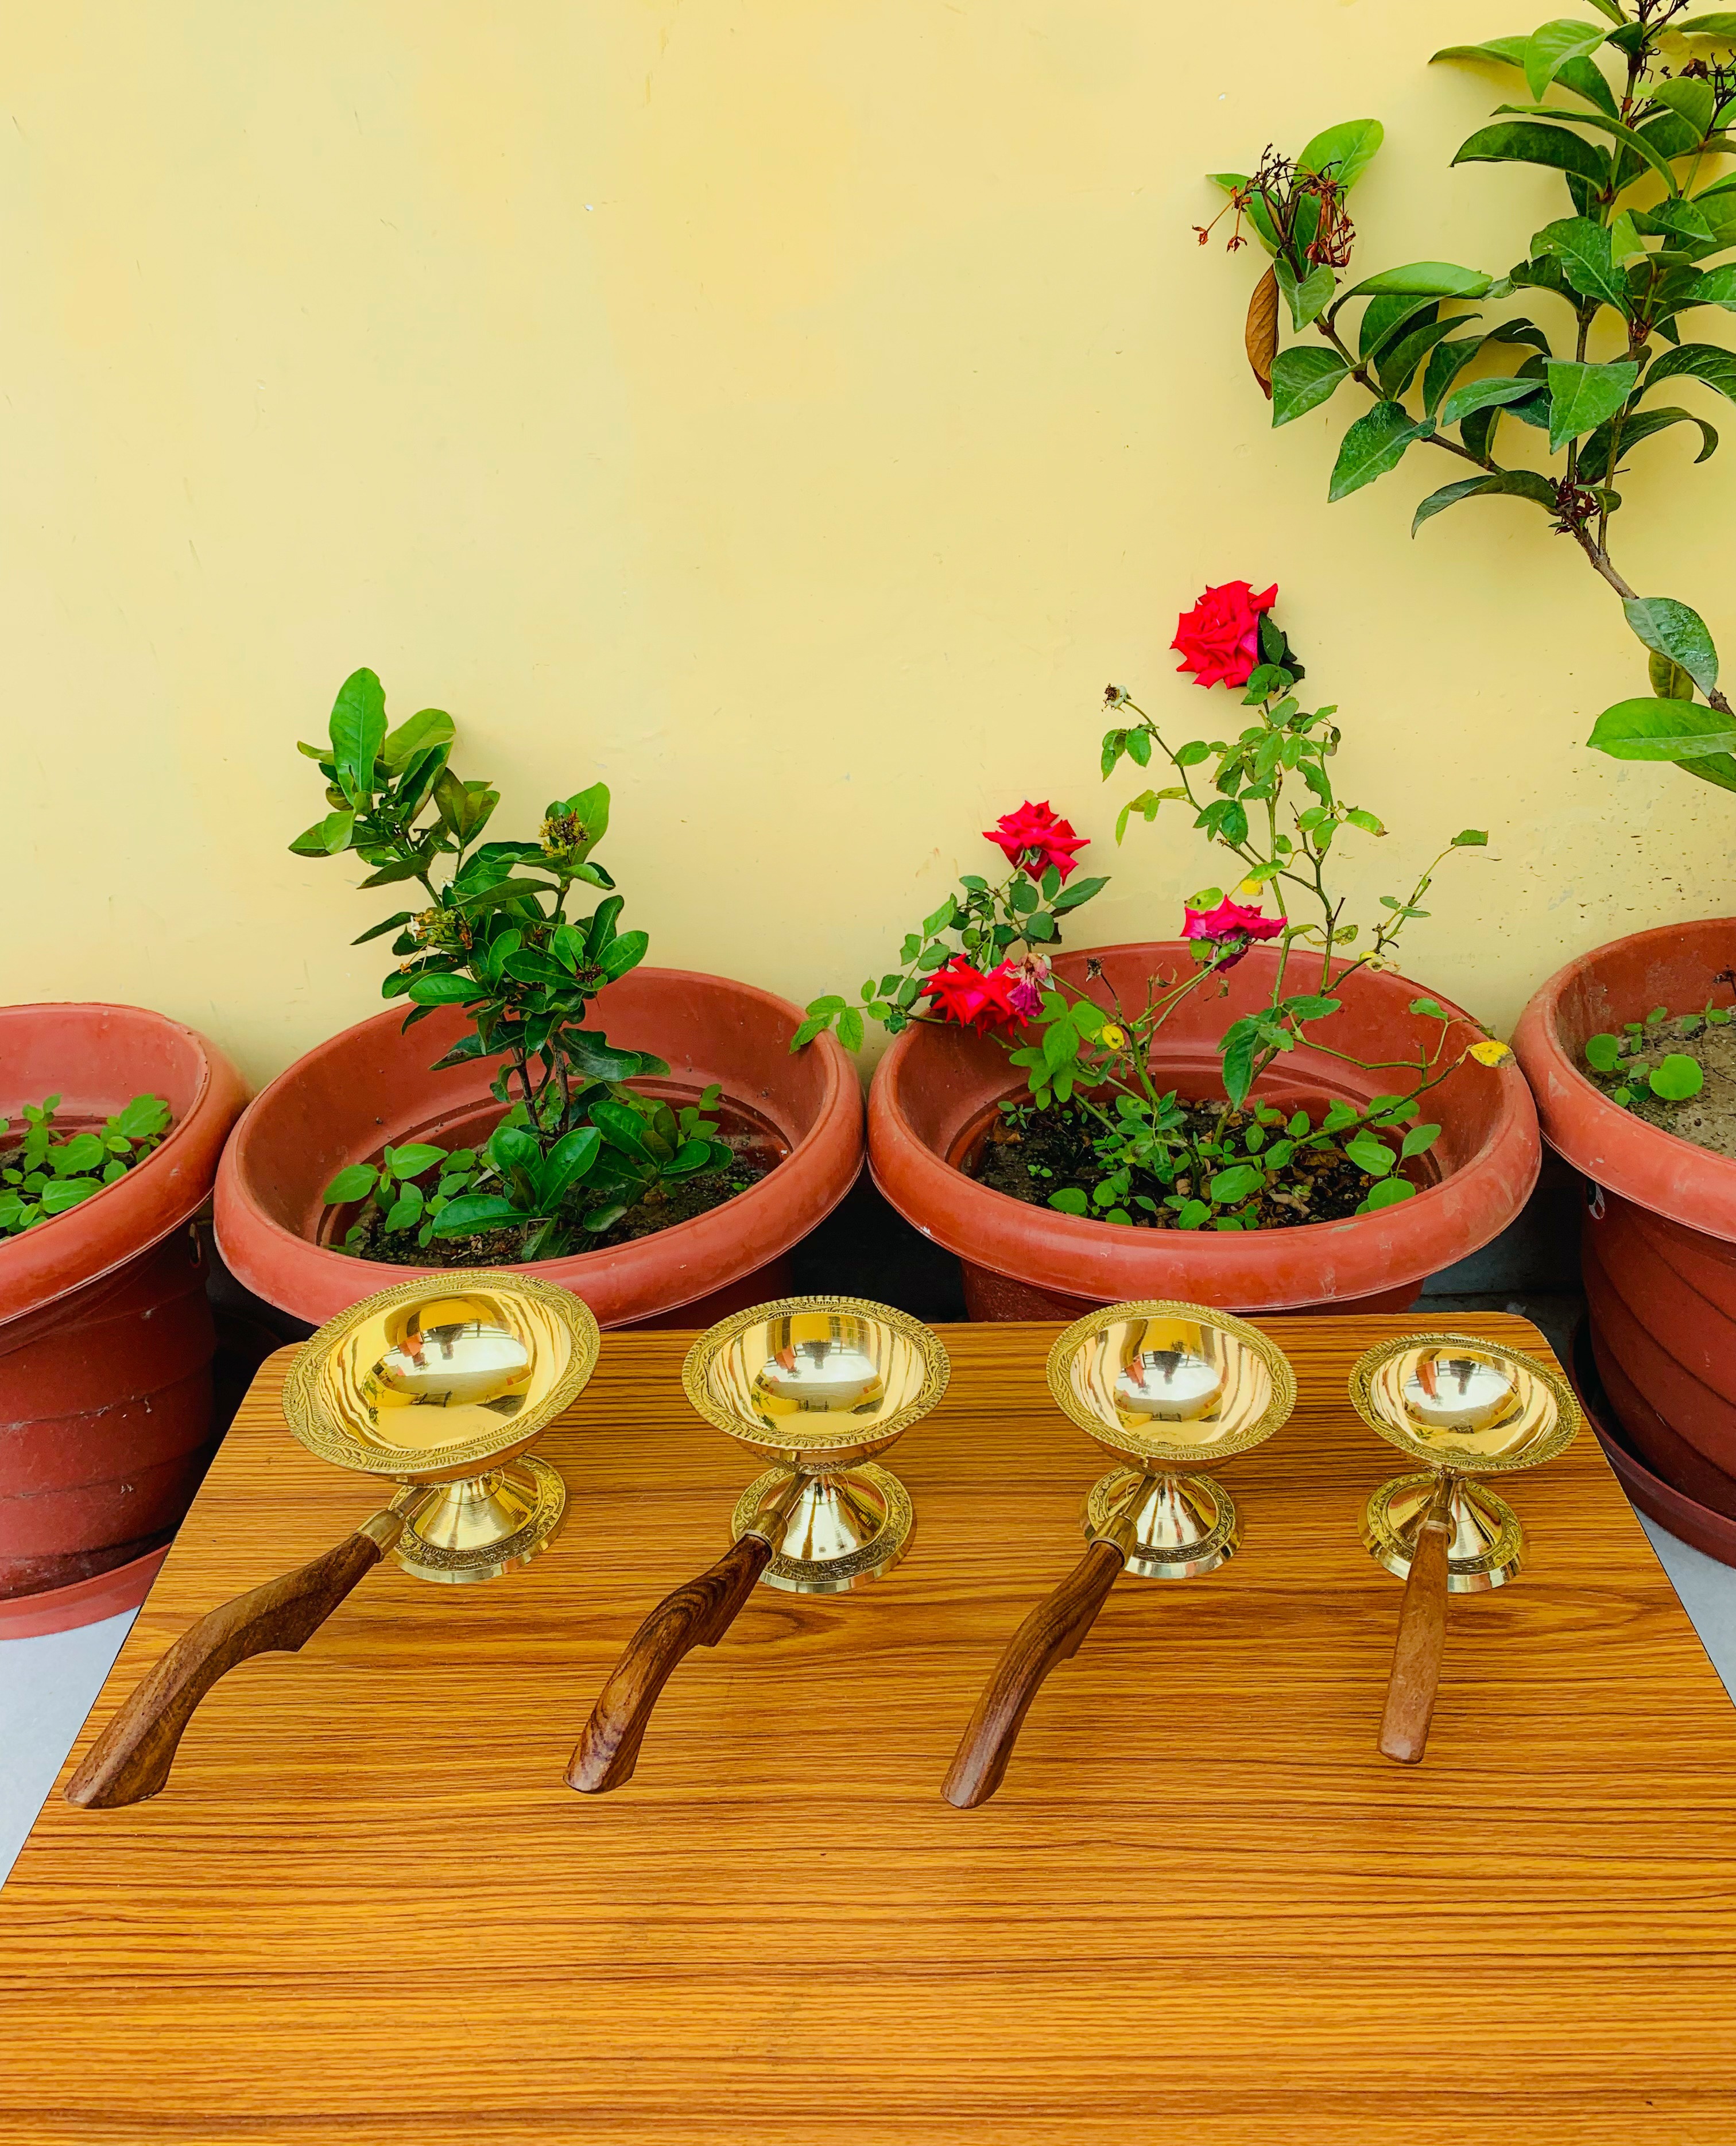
138,1210
1643,1163
706,1253
1357,1257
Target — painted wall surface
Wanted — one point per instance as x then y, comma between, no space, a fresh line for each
793,413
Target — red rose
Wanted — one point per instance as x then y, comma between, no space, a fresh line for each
1219,637
1230,924
961,992
1034,838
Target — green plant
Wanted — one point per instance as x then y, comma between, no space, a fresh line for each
1631,1058
1618,272
1155,1160
43,1174
577,1147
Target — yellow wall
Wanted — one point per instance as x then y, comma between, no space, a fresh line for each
794,411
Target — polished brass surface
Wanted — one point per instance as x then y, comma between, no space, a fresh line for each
446,1381
1450,1401
1487,1546
1469,1408
1166,1527
835,1530
819,1386
1168,1388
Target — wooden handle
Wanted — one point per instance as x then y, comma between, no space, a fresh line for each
1422,1637
131,1759
696,1615
1049,1634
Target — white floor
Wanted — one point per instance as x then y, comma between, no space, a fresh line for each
47,1686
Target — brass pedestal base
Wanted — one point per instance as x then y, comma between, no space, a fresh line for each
849,1525
1487,1545
1182,1525
485,1525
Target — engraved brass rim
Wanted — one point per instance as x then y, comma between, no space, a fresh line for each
717,1340
1465,1460
871,1559
307,1408
1193,1457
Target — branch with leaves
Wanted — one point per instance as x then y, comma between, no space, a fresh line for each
1635,136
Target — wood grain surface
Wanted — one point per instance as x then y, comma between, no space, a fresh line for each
366,1909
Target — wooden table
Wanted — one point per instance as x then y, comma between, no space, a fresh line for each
366,1909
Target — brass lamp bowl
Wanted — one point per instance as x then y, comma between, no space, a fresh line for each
439,1385
819,1386
447,1382
1166,1388
1464,1408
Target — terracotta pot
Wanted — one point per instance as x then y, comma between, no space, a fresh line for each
1658,1241
106,1339
936,1092
371,1086
1608,1400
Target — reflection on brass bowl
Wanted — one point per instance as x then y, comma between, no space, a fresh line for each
447,1381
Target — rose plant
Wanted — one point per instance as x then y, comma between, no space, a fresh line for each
1146,1157
576,1148
1632,109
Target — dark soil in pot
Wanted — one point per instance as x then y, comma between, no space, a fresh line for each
1033,1153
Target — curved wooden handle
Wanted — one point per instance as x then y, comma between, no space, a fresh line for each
131,1759
1049,1634
1422,1637
696,1615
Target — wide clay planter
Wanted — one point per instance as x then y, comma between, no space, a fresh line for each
371,1086
106,1338
937,1088
1658,1243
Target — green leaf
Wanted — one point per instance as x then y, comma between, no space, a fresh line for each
1388,1193
627,952
1369,1153
1529,142
1716,287
406,1211
569,1160
1583,249
1504,52
1700,360
1069,1200
1667,680
66,1192
1642,141
443,991
1373,444
358,732
1637,425
1582,396
426,728
1673,630
1652,729
1521,484
1346,150
1418,1141
473,1211
1425,279
1674,1080
1230,1187
336,830
1470,838
1308,298
1720,23
850,1029
413,1158
310,842
143,1118
1693,100
1550,47
1602,1052
1081,890
1481,394
378,930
